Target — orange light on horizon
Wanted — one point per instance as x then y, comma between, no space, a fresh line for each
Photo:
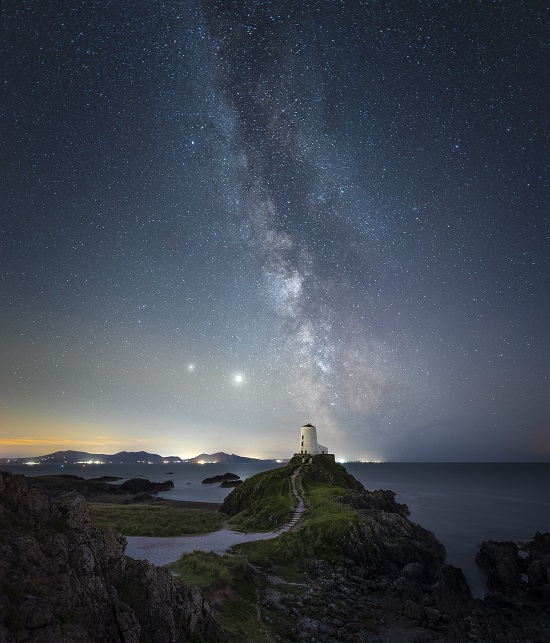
25,434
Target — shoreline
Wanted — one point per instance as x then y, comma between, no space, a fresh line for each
164,550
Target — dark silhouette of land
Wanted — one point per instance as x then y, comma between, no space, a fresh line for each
127,457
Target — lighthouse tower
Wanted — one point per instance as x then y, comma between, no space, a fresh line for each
308,441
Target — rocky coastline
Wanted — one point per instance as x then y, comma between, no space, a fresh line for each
62,483
354,569
385,579
62,580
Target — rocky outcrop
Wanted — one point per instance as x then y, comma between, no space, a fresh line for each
220,478
266,500
57,485
387,542
323,469
142,485
383,578
501,563
375,501
452,594
65,581
519,573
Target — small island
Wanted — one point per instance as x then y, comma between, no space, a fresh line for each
224,477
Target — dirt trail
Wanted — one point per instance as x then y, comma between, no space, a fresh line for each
161,551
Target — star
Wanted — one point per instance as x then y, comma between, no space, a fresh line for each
343,227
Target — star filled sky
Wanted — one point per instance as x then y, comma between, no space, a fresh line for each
222,220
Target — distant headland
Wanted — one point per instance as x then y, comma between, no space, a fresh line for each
127,457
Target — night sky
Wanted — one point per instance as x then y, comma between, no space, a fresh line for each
222,220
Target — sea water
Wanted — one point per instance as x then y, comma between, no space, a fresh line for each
462,503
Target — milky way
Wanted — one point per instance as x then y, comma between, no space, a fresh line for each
224,220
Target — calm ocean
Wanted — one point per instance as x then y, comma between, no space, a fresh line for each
462,503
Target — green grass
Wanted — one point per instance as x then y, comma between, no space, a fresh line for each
267,501
150,520
229,583
232,584
206,570
318,535
231,587
320,531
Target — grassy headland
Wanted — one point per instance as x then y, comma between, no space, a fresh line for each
322,528
234,584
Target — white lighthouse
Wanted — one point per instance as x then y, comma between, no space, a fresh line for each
308,441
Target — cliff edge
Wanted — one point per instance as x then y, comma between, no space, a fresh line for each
62,580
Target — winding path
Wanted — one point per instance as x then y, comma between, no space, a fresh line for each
161,551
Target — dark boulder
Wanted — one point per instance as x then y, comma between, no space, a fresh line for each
220,478
452,593
540,545
137,485
502,565
375,501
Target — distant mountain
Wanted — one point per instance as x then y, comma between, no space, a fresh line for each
220,457
125,457
71,457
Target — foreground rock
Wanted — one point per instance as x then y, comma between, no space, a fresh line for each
518,573
65,581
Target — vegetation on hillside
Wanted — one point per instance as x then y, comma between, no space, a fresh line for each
321,531
154,520
233,584
263,502
232,587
